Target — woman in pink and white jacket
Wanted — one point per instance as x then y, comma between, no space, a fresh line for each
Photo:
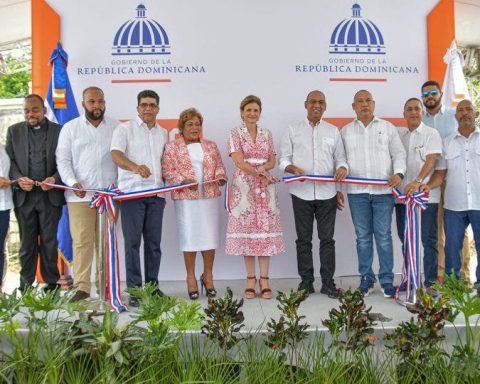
191,159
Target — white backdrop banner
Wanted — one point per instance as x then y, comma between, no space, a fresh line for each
210,54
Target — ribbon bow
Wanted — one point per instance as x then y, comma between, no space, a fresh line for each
419,199
411,267
102,200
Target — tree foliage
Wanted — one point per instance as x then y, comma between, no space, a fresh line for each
14,84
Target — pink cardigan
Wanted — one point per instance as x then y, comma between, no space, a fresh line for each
176,167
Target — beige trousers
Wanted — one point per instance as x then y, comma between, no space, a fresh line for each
465,270
84,231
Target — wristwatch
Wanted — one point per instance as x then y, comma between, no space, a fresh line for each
400,175
419,180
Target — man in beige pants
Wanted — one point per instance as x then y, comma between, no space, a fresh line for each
84,161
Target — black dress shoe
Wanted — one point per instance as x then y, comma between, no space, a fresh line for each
133,302
52,287
330,290
158,292
307,286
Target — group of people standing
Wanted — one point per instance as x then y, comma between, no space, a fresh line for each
95,151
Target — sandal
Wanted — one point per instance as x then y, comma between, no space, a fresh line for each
265,293
250,293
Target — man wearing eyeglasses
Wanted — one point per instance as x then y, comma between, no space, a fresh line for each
442,118
137,148
423,145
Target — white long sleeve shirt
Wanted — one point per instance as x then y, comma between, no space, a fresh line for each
374,151
83,155
317,150
142,146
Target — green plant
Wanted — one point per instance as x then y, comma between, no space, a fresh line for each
37,355
349,325
105,340
224,320
465,359
288,330
171,312
416,342
166,318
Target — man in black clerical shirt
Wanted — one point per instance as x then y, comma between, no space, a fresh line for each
31,147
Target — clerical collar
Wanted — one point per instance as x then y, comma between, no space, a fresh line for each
37,127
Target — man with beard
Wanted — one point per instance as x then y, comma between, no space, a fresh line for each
461,161
442,118
313,146
84,161
31,147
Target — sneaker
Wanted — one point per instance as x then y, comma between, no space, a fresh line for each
388,290
307,286
366,286
330,290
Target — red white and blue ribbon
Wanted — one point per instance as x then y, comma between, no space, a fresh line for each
102,201
411,244
315,179
331,179
116,194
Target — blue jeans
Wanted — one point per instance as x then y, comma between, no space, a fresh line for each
429,238
372,217
456,222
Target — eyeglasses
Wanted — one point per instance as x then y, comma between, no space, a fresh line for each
433,92
148,105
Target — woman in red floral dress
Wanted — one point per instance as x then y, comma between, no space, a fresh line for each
254,226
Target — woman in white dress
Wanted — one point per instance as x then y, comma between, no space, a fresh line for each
191,159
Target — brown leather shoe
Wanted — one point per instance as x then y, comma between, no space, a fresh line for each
80,295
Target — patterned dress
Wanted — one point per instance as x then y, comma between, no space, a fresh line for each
254,226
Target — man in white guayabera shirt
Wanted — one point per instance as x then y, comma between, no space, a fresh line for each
424,146
84,161
459,169
374,151
137,148
313,146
